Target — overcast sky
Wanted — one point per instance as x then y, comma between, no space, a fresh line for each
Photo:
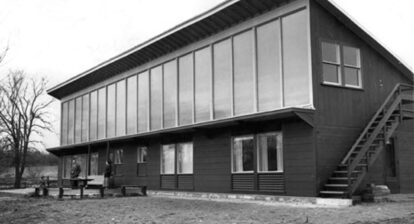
62,38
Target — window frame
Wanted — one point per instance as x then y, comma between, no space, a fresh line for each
279,152
139,155
121,156
176,158
232,150
342,65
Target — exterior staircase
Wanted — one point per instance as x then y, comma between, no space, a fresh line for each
345,180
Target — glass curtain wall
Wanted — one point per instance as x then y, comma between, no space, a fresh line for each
262,68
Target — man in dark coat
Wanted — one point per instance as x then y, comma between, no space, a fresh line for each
108,173
74,173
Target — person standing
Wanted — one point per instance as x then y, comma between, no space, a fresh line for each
74,174
108,173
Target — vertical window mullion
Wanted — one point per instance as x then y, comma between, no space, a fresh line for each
255,72
232,76
282,73
212,83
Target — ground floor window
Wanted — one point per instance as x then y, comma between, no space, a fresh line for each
243,148
183,161
177,166
269,152
257,163
73,160
142,153
94,164
118,156
167,159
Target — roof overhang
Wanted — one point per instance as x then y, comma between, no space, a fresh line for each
305,115
220,17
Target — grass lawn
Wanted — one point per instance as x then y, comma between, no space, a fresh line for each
169,210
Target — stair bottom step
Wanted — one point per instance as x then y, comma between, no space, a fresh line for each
333,192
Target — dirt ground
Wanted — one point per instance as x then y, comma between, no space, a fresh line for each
168,210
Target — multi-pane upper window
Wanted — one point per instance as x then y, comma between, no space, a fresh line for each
266,148
341,65
258,69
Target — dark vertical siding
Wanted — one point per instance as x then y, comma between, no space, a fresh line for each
342,113
405,156
299,159
212,162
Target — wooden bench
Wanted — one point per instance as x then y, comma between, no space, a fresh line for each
97,182
142,188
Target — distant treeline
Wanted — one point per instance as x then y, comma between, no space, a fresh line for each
34,158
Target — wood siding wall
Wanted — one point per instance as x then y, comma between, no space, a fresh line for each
212,161
342,113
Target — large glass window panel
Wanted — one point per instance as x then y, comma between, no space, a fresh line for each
132,108
185,158
186,89
94,164
85,117
243,73
202,86
268,67
270,152
242,155
296,59
71,122
110,132
222,79
64,133
170,94
101,113
78,119
156,98
167,159
143,101
120,107
93,131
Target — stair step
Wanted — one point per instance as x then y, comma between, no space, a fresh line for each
333,192
345,165
341,178
372,145
336,185
345,172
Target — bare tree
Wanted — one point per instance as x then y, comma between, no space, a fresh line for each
24,113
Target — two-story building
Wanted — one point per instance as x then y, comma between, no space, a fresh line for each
285,97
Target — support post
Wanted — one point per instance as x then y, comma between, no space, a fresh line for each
101,191
81,192
60,192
